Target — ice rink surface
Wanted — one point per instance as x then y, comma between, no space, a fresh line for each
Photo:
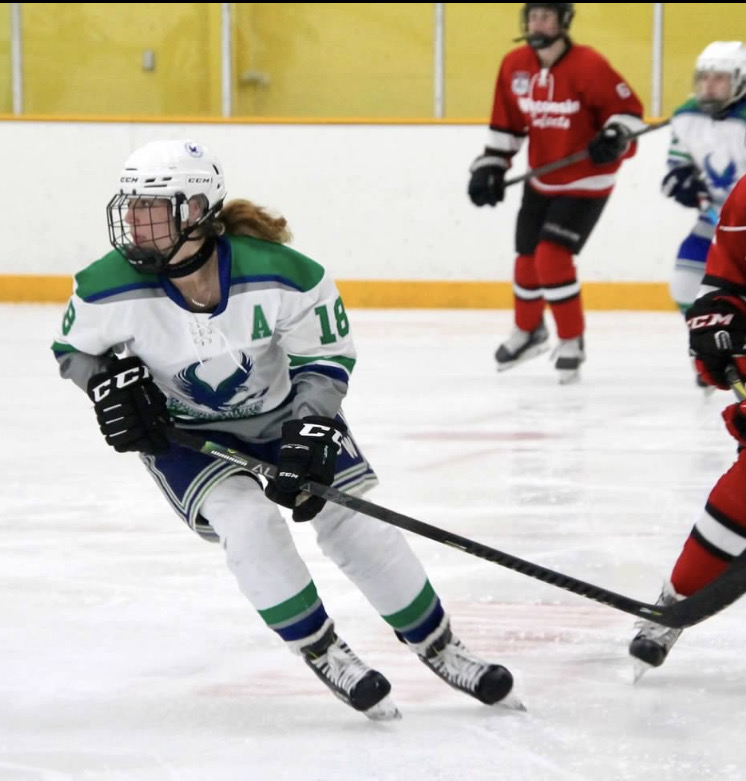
128,653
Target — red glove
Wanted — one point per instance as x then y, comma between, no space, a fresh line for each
734,416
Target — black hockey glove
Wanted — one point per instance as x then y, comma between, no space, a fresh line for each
487,183
609,144
684,185
308,451
717,336
130,408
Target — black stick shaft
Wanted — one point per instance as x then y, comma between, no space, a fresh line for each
702,605
576,157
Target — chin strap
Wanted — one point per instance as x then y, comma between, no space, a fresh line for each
538,41
188,266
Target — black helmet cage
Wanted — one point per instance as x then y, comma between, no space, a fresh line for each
150,260
565,14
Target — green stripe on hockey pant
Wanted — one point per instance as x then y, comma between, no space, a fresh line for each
420,618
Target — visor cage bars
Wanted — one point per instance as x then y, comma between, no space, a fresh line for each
145,228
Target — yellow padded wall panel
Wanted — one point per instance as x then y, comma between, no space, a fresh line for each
688,28
92,58
334,60
6,86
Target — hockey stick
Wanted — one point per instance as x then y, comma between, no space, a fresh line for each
736,383
576,157
704,603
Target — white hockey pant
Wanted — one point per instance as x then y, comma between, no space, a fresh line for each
262,555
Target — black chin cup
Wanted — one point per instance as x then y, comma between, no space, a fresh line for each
713,108
144,261
151,262
538,41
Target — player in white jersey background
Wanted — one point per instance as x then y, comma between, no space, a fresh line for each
706,157
201,317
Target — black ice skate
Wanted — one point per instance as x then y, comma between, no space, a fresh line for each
451,660
651,644
522,345
355,683
568,355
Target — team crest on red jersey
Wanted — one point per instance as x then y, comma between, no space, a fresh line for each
520,83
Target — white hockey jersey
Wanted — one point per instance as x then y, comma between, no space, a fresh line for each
717,147
278,341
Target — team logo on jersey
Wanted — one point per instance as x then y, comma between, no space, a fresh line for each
623,90
720,180
230,396
549,113
520,83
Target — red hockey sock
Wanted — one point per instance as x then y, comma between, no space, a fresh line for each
527,296
555,267
718,536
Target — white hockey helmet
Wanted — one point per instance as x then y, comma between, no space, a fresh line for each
176,171
167,168
723,57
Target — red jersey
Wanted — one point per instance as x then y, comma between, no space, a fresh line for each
561,109
726,260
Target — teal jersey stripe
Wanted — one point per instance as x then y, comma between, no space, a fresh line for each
301,360
254,261
59,347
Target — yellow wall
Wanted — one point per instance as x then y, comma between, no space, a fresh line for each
334,59
689,27
87,58
320,60
6,88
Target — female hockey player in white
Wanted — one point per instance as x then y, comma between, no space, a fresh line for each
201,317
706,157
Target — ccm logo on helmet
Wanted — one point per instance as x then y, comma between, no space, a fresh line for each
708,321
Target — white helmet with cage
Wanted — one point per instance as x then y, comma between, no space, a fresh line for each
178,172
722,57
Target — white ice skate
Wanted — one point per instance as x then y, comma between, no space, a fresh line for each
568,355
520,346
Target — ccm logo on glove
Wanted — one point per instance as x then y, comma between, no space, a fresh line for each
308,451
130,409
121,380
318,430
708,321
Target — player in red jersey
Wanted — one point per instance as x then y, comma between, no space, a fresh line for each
717,340
564,98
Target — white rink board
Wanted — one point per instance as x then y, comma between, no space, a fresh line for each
370,202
